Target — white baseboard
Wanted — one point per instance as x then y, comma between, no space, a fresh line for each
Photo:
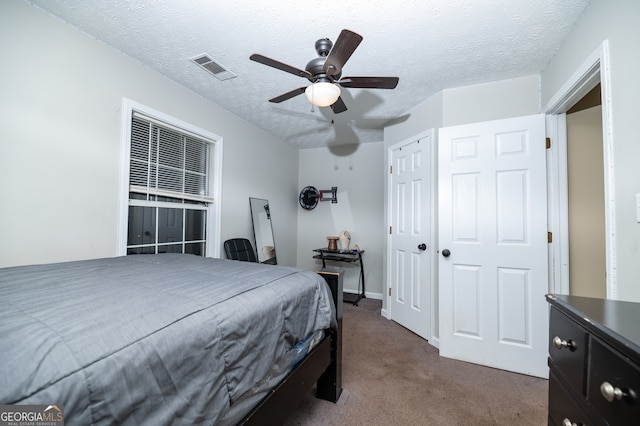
377,296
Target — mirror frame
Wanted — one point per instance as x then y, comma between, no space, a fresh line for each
263,231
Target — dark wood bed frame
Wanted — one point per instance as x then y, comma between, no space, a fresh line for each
322,366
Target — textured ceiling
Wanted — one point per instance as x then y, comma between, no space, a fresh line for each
430,45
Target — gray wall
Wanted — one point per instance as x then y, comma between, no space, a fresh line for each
616,22
60,144
358,172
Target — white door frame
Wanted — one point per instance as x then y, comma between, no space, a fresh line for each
595,69
433,222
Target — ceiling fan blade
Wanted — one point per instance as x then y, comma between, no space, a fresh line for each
342,50
369,82
338,106
280,65
288,95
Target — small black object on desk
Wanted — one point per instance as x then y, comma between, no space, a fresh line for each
349,256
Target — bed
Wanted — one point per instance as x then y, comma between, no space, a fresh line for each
167,339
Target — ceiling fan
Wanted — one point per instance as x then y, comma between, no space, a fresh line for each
325,71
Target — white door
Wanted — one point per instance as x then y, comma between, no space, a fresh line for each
410,236
493,244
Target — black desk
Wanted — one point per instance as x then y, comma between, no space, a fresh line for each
348,256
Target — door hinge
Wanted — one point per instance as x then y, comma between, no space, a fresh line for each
391,169
389,291
549,237
391,230
548,143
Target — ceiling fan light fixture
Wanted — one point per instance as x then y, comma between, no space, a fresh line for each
322,94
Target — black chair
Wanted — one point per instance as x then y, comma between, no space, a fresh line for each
240,249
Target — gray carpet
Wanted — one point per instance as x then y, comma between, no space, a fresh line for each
393,377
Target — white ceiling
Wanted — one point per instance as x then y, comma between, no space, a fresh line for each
430,45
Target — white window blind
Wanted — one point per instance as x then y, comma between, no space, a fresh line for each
168,161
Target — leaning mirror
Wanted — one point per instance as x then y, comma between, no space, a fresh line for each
262,231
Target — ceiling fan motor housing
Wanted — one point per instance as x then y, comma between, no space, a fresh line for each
315,67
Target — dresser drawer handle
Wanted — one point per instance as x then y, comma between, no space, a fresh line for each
567,422
560,344
609,392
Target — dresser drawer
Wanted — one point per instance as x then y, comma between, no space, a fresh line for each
606,365
568,349
563,409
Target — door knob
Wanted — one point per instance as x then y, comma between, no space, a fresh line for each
422,246
446,253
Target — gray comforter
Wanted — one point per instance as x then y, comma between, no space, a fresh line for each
150,339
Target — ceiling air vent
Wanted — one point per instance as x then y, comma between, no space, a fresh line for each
205,62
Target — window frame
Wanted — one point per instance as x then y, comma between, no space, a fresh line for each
213,209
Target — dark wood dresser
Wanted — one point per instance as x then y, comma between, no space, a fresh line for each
594,361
